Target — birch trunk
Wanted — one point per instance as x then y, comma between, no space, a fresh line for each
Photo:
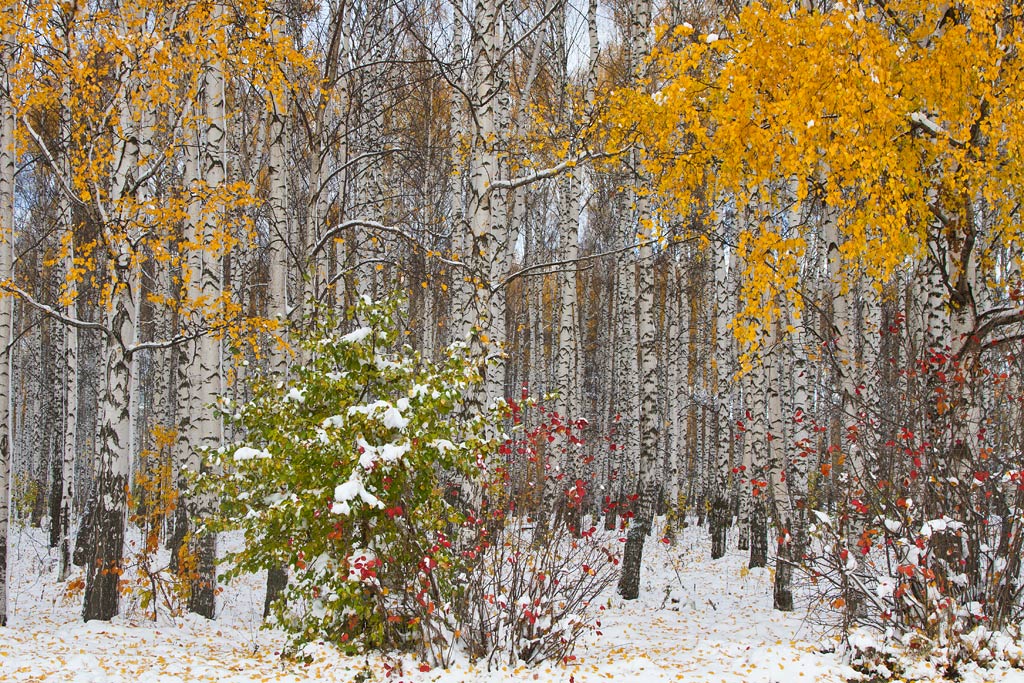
676,433
207,386
8,161
698,483
567,374
277,246
108,508
103,569
648,464
70,445
488,242
793,517
721,512
754,461
277,294
462,292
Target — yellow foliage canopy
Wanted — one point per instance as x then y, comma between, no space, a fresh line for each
902,119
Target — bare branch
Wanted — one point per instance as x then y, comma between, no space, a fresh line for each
53,312
550,172
52,163
554,265
373,225
167,343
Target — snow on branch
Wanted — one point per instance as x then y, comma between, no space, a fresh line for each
65,319
51,311
550,172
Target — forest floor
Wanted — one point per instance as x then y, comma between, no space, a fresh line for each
696,621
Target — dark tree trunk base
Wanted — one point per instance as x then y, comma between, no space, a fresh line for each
56,488
758,535
176,537
203,596
277,581
744,541
719,527
632,558
783,589
84,540
103,564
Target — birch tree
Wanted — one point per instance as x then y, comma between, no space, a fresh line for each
647,488
205,233
8,162
71,380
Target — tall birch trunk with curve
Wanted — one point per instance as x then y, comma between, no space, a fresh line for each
8,161
109,505
102,538
118,169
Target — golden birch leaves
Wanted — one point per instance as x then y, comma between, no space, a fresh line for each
901,123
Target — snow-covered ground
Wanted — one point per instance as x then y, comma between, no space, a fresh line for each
696,621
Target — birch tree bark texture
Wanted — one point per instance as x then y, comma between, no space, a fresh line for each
7,169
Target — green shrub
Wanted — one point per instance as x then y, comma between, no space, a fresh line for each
350,475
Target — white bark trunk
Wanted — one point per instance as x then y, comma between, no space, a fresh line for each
70,367
649,461
674,352
488,247
109,508
7,168
567,373
277,248
721,378
207,385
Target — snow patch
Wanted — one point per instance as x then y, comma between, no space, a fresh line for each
247,453
357,335
346,493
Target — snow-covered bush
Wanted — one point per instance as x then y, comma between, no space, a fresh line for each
535,575
925,542
349,476
369,476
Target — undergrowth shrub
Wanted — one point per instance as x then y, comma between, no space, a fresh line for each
370,477
153,583
535,575
924,546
